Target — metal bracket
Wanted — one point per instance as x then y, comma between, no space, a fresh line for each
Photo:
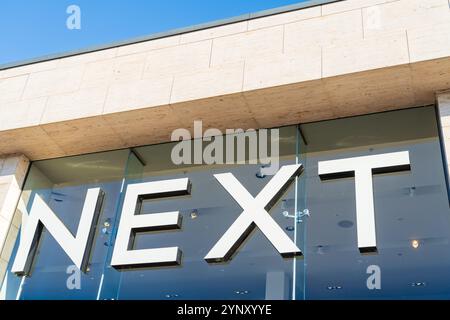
299,216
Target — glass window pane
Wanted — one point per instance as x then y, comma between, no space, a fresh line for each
62,184
256,271
411,210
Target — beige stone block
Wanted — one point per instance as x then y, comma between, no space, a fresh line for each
148,45
429,42
30,141
15,165
367,54
344,27
224,112
443,104
98,74
137,127
129,67
216,81
186,58
369,92
5,182
3,271
443,99
4,228
79,104
248,45
214,32
429,77
17,217
138,94
21,114
9,243
83,136
120,69
446,141
445,119
446,133
21,169
87,57
289,104
283,18
30,68
403,15
283,69
12,178
54,81
347,5
11,89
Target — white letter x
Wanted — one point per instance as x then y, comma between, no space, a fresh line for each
255,214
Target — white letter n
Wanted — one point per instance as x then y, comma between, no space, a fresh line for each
77,248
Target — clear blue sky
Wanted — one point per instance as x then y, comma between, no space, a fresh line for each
35,28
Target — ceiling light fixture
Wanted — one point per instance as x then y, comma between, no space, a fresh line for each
260,174
242,292
418,284
319,249
334,288
194,214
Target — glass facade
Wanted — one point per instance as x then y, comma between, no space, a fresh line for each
411,209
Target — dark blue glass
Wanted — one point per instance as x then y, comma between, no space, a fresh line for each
411,210
63,184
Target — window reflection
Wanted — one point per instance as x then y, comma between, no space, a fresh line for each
411,209
63,184
256,271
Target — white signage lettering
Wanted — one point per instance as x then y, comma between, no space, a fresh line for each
131,222
255,214
362,168
77,248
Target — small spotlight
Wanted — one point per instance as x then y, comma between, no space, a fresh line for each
319,249
415,244
418,284
260,174
334,288
194,214
242,292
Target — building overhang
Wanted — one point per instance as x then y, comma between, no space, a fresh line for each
323,62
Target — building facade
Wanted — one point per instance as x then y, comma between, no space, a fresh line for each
336,186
